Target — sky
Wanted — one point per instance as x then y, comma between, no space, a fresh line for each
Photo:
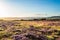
29,8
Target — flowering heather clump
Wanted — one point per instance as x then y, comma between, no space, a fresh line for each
29,35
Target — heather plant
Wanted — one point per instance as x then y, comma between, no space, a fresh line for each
22,31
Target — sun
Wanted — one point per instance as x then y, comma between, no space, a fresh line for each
4,9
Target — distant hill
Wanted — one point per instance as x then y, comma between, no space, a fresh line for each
54,17
30,18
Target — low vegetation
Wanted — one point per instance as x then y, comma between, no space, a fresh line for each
29,30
